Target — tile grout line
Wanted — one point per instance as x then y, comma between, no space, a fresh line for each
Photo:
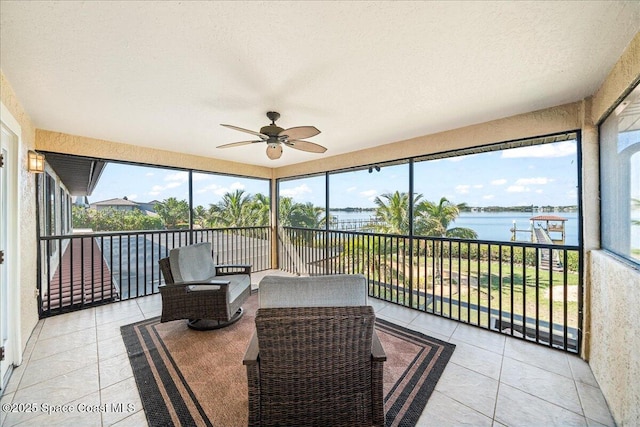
25,363
495,406
95,326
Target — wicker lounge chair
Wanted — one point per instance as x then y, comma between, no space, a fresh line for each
210,296
315,365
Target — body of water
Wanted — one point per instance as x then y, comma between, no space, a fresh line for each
493,225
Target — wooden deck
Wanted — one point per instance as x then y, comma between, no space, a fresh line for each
85,278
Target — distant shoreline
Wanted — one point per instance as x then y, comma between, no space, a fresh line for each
527,208
489,225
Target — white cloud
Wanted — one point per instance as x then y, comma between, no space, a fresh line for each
351,189
517,189
462,189
296,191
488,197
455,159
178,176
149,174
202,177
498,182
534,181
466,188
369,193
132,196
539,191
211,187
174,180
221,191
558,149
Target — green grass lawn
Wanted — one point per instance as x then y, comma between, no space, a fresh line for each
516,289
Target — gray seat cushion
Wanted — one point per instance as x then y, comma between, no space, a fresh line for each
203,286
194,263
191,263
237,284
317,291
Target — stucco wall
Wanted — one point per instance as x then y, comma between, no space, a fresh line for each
90,147
613,288
615,342
26,212
620,78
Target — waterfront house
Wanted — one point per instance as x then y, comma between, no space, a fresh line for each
108,81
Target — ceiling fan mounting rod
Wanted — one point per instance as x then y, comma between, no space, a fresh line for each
273,116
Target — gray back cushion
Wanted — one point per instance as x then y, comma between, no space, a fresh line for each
191,263
317,291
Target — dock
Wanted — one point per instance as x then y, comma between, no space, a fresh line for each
539,233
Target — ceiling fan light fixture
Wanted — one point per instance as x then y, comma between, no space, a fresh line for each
274,151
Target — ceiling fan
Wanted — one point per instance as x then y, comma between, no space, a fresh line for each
275,137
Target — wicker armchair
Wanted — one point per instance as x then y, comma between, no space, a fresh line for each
210,296
315,366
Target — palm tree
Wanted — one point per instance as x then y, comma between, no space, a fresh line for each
308,216
231,211
305,215
393,211
174,212
260,210
302,215
200,216
433,219
286,208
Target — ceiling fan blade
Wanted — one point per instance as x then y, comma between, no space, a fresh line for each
306,146
237,144
300,132
264,137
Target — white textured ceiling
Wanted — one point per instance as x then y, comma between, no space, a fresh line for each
167,74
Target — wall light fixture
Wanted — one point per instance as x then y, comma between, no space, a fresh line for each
35,162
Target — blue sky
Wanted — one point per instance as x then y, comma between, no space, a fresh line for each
144,184
536,175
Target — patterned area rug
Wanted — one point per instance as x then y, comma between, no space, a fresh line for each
192,378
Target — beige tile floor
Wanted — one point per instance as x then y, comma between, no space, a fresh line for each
77,361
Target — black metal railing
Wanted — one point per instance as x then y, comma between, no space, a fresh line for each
528,290
82,270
